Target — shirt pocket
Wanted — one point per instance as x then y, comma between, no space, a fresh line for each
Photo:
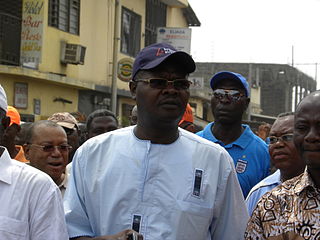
13,229
194,220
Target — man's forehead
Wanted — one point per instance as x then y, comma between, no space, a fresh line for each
39,129
283,123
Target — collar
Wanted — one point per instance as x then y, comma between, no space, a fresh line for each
5,167
20,155
242,141
274,178
303,182
64,182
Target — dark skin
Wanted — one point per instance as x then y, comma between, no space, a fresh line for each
7,134
228,114
102,124
284,155
9,139
159,110
307,134
4,123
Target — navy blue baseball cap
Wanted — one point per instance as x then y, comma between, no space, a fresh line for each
154,54
230,75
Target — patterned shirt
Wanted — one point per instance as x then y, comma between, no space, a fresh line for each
290,211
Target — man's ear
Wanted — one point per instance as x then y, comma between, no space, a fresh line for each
26,149
133,88
247,103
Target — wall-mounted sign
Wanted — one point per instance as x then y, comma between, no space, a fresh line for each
31,33
197,82
179,38
125,66
21,95
36,106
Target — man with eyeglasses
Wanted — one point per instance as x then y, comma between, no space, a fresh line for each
292,210
30,202
154,177
230,99
283,156
47,149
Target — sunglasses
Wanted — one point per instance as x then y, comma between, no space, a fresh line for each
231,95
51,148
162,83
283,138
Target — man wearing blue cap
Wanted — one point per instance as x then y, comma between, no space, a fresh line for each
155,178
229,101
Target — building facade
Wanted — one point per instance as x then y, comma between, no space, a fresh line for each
275,88
77,55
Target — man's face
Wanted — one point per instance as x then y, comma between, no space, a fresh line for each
51,162
165,105
284,155
307,130
100,125
73,140
224,109
4,123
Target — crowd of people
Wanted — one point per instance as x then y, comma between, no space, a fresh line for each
160,178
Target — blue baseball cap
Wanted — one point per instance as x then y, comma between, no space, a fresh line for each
154,54
230,75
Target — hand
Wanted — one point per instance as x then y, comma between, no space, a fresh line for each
124,235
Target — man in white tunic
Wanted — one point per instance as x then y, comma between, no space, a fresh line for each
154,177
30,202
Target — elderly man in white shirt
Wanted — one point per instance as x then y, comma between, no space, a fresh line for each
31,206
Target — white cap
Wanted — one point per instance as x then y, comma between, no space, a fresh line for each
3,99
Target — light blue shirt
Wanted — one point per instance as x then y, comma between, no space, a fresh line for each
250,156
261,188
115,176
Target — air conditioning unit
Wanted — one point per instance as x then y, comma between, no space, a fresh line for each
72,53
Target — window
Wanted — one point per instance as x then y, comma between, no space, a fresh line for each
130,32
65,15
156,16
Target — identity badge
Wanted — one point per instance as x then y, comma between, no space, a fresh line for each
241,166
198,174
136,222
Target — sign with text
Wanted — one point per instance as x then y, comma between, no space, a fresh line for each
21,95
179,38
31,33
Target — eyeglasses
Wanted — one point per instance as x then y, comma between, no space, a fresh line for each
162,83
231,95
51,148
283,138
